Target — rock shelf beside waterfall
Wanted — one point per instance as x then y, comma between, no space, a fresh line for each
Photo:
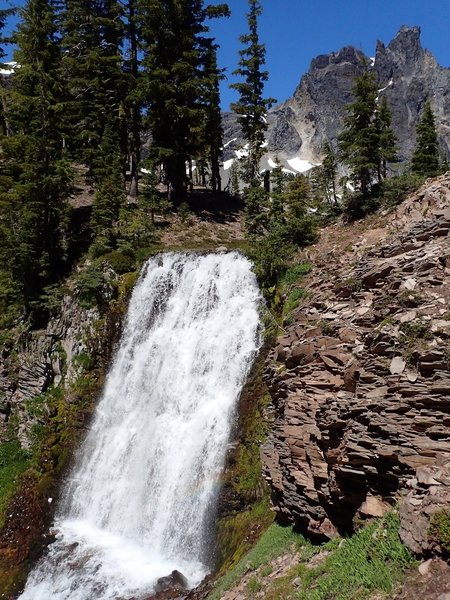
360,381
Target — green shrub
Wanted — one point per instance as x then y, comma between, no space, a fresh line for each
439,529
357,206
184,212
120,261
14,460
294,273
292,301
396,189
90,284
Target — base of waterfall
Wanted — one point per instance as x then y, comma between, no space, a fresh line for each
86,562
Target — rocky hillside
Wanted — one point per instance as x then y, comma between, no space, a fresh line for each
408,76
360,380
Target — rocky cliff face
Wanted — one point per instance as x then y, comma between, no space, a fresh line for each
360,381
407,74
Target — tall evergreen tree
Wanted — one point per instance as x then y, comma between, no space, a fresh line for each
92,34
174,82
425,159
359,141
329,170
4,128
387,138
36,176
92,64
133,101
212,125
252,106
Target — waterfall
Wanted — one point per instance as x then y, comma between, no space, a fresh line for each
139,499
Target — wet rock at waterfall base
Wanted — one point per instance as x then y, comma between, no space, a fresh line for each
171,587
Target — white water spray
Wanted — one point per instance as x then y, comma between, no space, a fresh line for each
137,504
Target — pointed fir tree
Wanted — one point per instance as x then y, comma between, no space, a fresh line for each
92,35
329,172
34,209
425,159
252,107
212,125
387,139
4,128
173,83
359,140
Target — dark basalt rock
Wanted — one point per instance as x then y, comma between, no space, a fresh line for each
175,581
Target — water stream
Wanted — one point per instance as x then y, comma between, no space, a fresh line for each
140,499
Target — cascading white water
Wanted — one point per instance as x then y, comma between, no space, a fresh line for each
136,505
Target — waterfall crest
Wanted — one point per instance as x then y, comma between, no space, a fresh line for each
138,501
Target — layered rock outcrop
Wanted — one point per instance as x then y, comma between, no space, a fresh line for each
360,382
35,360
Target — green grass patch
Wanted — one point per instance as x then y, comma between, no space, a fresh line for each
374,559
14,461
294,273
271,544
292,301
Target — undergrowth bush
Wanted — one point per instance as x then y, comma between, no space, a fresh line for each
439,529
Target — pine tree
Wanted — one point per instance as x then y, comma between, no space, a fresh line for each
212,125
387,139
34,166
133,100
329,170
92,34
359,141
277,209
4,128
425,159
252,106
174,82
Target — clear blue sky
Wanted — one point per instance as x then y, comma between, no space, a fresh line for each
295,31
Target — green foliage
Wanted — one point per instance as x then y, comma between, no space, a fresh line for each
367,143
271,254
425,159
292,301
251,106
396,189
179,86
271,544
184,212
439,529
294,274
14,461
374,559
91,284
122,262
256,199
35,179
356,205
